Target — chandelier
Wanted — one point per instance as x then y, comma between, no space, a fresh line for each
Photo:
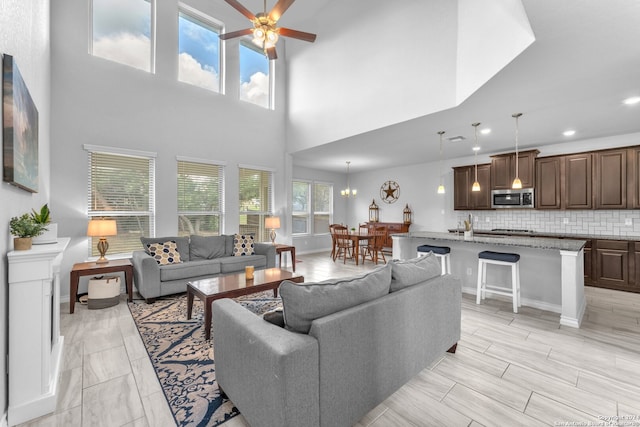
348,192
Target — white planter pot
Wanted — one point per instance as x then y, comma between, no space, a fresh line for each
49,236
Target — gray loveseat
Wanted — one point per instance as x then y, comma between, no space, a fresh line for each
201,257
348,344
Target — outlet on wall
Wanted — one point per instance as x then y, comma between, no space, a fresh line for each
628,221
469,271
565,220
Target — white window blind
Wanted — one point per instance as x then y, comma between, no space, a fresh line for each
322,207
200,198
121,187
301,194
256,201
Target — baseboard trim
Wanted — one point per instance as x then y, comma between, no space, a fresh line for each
554,308
4,422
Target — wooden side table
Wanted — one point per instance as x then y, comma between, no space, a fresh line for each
286,248
93,269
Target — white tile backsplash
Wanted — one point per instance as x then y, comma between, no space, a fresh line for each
593,222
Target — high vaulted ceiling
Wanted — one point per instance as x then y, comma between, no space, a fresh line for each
584,62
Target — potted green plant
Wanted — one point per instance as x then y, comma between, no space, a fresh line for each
24,228
50,233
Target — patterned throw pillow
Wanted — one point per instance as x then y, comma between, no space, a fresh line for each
164,253
243,245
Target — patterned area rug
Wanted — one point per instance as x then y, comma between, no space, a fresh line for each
182,358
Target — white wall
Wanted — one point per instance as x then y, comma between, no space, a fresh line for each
96,101
24,34
348,81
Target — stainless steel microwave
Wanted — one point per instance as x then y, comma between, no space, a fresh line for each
512,198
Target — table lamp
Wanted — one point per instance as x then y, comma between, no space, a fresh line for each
102,228
272,222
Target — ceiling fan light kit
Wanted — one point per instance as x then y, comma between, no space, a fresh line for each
265,33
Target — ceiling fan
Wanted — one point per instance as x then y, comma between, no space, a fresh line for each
265,33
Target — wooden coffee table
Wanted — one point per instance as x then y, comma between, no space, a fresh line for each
233,286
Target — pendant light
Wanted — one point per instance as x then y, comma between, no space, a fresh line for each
441,186
348,192
476,184
517,184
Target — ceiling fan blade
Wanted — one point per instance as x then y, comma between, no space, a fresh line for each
287,32
271,53
240,8
238,33
279,9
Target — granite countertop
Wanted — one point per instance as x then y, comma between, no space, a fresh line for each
525,241
531,233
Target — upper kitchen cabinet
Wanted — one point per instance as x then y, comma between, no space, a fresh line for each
463,197
503,169
548,182
610,179
633,181
578,181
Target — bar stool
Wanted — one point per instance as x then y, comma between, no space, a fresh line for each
442,252
499,258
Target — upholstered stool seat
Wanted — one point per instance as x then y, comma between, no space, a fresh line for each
442,252
504,259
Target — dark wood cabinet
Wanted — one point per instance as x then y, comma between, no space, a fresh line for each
633,180
578,181
548,183
391,228
610,179
503,169
462,188
612,263
463,178
588,263
634,270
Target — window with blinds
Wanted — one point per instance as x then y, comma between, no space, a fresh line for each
200,198
256,201
322,207
121,187
301,204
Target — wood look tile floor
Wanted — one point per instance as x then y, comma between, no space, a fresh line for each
509,369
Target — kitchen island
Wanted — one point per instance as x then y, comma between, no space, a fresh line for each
551,270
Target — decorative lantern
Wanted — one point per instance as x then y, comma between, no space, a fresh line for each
373,211
406,214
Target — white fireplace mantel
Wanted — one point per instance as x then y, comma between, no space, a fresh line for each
35,344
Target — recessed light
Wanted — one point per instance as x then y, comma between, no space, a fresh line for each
569,132
476,148
632,101
485,131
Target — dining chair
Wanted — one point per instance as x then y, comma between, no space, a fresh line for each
333,240
344,245
373,249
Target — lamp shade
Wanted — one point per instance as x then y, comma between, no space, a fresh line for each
102,228
272,222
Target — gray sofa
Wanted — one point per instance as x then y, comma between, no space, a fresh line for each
201,257
367,336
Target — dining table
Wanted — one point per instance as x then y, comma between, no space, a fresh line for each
356,237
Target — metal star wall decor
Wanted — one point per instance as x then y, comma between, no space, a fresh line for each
390,192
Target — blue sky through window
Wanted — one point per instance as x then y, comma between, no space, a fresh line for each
122,31
199,53
254,76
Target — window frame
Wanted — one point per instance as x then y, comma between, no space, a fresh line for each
246,42
221,185
95,213
263,232
207,20
313,207
306,214
152,38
